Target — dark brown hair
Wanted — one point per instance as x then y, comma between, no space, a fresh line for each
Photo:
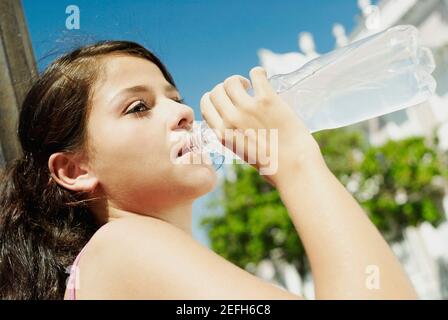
43,226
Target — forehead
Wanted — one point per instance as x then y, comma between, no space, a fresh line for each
120,72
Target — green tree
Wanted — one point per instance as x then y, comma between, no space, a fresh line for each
401,184
398,184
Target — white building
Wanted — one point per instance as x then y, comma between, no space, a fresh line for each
424,252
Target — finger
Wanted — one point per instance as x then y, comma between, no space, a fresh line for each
235,141
260,82
236,88
209,113
224,106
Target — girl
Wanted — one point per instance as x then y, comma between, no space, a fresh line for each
100,186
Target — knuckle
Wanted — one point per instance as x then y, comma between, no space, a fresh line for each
251,108
204,108
203,101
219,89
230,81
253,72
246,83
216,88
227,83
213,96
231,119
264,99
213,92
258,70
205,96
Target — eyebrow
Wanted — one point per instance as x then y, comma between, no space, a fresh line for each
140,88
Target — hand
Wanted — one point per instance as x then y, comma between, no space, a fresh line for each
240,120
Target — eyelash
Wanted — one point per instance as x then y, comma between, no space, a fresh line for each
140,103
143,102
181,101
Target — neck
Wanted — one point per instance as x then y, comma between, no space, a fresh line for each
179,215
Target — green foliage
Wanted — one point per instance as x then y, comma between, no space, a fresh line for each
398,184
255,223
408,188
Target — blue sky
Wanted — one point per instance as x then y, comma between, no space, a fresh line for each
201,41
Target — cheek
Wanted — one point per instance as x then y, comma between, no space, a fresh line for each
125,153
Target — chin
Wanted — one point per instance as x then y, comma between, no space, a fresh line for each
200,179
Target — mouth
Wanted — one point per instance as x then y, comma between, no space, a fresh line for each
182,152
183,149
185,152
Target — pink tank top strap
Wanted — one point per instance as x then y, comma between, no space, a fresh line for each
73,280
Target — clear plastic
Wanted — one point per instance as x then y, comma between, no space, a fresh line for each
377,75
380,74
202,139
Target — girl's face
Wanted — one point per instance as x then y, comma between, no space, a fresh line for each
133,118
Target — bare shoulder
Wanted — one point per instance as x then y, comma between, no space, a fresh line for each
146,258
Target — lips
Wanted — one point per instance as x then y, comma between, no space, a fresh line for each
183,148
184,153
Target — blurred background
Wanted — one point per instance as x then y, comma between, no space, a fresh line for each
396,166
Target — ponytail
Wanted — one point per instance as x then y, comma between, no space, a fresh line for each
42,228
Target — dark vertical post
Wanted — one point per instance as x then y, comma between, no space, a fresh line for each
17,71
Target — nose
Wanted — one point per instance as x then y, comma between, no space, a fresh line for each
183,119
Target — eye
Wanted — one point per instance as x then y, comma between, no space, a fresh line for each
141,106
179,100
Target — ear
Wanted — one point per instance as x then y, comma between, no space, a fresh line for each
71,173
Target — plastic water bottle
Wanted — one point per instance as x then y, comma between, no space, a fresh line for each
377,75
380,74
